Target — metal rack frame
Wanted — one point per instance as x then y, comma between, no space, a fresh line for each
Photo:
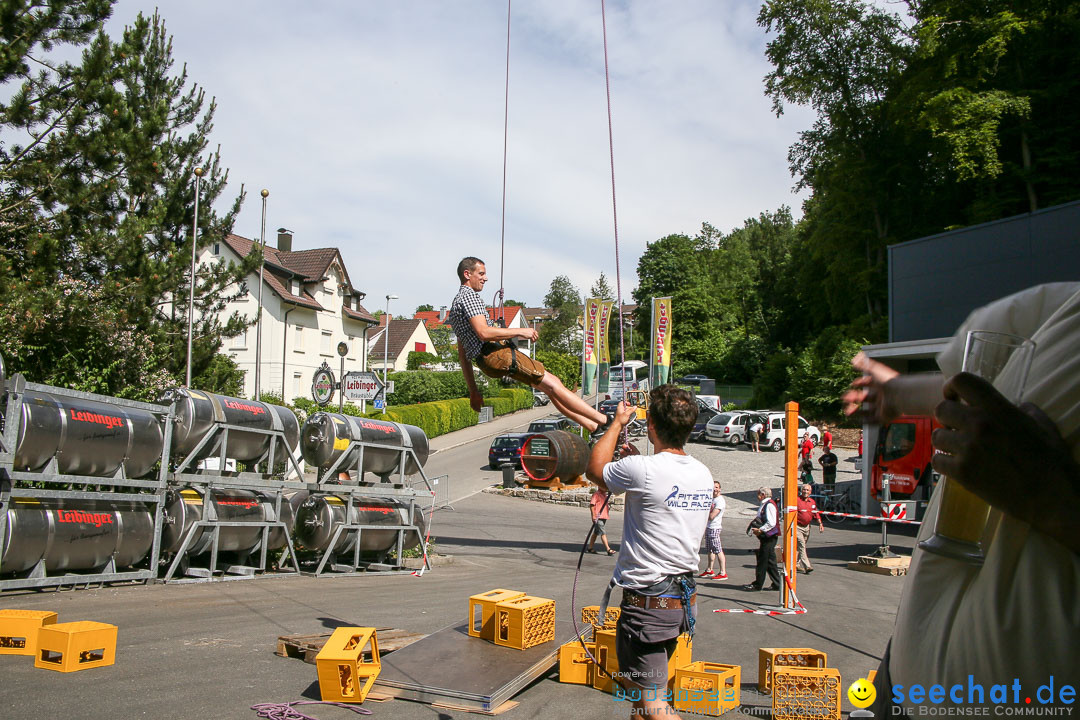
211,522
18,483
400,489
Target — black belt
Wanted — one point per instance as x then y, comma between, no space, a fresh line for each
654,602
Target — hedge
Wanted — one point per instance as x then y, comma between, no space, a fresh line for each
434,418
443,416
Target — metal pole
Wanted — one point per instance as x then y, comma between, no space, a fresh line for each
191,294
386,349
258,318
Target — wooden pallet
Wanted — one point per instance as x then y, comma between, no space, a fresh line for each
306,647
881,566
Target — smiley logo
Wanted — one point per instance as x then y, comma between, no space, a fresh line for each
862,693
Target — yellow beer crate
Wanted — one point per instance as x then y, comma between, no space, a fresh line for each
19,630
524,622
71,646
770,658
344,675
799,693
485,603
707,688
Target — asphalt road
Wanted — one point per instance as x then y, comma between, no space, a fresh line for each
206,650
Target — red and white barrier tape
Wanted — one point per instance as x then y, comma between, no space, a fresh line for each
799,608
880,518
431,515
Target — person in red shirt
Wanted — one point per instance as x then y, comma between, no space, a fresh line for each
598,508
826,439
807,446
806,513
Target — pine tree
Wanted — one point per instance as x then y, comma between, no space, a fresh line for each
97,208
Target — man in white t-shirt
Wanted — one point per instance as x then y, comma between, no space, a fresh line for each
712,536
668,498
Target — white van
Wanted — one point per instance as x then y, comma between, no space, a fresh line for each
773,436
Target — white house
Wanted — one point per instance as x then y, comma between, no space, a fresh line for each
405,336
309,306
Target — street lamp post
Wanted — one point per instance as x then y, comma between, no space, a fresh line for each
258,318
191,294
386,348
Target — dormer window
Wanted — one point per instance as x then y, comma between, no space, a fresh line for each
294,288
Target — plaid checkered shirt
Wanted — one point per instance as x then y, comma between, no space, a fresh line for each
467,303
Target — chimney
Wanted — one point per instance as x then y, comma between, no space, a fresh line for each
443,314
284,240
384,319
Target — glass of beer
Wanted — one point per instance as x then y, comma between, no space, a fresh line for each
1004,360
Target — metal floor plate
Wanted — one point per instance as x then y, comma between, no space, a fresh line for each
450,667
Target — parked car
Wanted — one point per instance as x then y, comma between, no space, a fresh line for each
540,398
608,407
550,423
506,450
692,379
705,414
731,427
774,431
710,401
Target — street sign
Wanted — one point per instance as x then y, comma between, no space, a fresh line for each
389,387
323,384
361,385
380,404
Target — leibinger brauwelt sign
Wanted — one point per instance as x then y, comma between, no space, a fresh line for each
361,385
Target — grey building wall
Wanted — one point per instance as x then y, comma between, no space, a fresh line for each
936,281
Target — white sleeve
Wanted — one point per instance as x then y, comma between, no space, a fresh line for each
622,475
770,517
1021,314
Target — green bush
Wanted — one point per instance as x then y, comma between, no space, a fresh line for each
417,358
443,416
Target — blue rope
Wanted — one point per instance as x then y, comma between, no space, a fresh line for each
687,593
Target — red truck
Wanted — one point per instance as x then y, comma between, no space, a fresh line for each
903,453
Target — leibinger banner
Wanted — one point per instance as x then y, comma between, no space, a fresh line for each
602,343
661,341
590,360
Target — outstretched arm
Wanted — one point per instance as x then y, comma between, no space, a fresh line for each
881,394
488,334
604,449
1012,457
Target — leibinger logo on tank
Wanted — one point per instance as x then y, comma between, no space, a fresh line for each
1051,699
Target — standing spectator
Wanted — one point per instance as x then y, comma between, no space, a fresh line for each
666,511
807,446
806,512
712,535
826,439
755,434
806,471
828,462
598,508
767,531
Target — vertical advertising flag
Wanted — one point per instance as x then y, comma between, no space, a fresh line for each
661,341
603,344
590,357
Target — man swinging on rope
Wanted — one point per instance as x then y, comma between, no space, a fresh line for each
497,357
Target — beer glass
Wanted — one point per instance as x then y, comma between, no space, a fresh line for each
1004,360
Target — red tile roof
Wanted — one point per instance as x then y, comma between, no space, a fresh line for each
511,312
430,318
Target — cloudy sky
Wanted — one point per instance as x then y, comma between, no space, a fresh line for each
377,127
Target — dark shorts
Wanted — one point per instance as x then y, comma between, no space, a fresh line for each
644,641
497,360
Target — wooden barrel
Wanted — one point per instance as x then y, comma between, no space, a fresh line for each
554,454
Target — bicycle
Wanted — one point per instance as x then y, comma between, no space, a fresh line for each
839,502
